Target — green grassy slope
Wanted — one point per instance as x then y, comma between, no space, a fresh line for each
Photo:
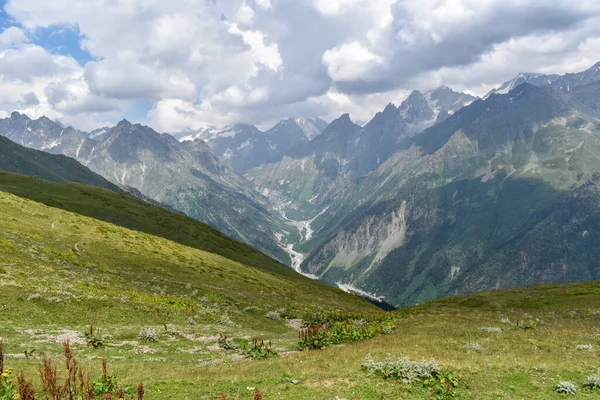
129,212
481,337
98,271
56,168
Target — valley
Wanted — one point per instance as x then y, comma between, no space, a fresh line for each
158,311
356,206
299,200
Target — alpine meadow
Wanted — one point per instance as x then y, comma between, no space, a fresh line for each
299,200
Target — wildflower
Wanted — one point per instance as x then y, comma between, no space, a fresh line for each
5,374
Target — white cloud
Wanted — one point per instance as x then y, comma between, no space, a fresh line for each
37,82
11,37
266,4
217,62
350,61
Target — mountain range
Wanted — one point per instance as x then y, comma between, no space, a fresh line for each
443,194
244,146
183,175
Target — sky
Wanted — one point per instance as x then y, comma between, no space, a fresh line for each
182,65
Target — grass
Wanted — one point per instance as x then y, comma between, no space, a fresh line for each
62,271
128,212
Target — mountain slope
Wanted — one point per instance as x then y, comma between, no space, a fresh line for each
123,210
311,177
243,146
185,176
302,181
466,204
39,164
69,220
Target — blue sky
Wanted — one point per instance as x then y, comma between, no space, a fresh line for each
66,40
56,39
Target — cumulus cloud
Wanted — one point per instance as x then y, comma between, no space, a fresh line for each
11,37
350,61
203,63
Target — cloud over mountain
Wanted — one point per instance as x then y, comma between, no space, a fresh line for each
186,64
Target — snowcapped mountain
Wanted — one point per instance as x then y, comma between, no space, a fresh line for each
420,111
532,78
565,82
97,134
290,132
244,146
44,134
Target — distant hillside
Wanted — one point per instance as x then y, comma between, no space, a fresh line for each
57,168
185,176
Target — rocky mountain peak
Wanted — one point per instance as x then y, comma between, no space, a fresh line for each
390,108
17,115
343,121
415,100
123,123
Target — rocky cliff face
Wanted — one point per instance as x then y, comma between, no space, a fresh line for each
487,199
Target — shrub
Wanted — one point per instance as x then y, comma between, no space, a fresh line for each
105,383
593,381
259,350
1,357
8,388
148,334
359,323
442,382
91,339
225,320
226,343
404,370
170,332
140,391
566,388
388,329
274,315
314,337
76,384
